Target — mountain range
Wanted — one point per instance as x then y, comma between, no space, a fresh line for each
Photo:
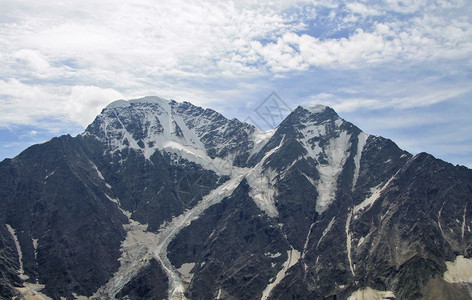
159,199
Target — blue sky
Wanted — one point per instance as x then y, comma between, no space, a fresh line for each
396,68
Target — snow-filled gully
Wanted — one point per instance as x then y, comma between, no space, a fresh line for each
141,246
29,290
348,242
292,258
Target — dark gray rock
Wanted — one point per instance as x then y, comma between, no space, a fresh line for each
390,222
151,283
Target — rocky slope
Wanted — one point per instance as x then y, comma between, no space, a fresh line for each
165,200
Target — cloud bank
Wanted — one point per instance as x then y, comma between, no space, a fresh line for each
65,61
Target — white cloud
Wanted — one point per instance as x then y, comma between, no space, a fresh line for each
362,9
405,6
33,58
66,60
34,63
85,102
24,104
35,104
180,39
401,102
421,40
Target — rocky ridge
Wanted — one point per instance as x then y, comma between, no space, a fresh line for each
166,200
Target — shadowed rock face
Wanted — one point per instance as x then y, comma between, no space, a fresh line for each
150,283
159,199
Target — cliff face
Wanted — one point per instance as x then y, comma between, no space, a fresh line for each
160,199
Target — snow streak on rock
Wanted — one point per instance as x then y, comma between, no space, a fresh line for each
307,240
186,272
262,190
463,222
136,253
18,250
169,231
459,271
330,158
439,221
371,294
361,141
348,242
140,246
337,153
375,194
328,228
292,258
29,290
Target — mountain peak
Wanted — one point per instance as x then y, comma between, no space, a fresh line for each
315,109
163,200
319,110
147,99
151,124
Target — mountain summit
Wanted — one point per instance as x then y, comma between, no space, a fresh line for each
165,200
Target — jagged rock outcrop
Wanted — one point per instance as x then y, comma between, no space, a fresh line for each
159,199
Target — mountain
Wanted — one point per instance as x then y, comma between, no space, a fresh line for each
165,200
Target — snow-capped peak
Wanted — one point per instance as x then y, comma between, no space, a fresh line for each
150,100
315,109
149,124
118,103
147,99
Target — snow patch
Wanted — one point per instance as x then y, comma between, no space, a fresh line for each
459,271
186,272
361,141
262,190
463,222
260,139
49,175
337,153
217,165
118,203
21,271
35,246
292,259
167,233
78,297
313,182
263,194
361,241
135,254
98,171
31,291
330,158
375,195
371,294
307,241
439,221
218,297
140,246
348,242
271,255
327,229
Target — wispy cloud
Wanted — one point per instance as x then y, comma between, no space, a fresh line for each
65,61
348,104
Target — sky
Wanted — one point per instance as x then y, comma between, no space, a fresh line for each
401,69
